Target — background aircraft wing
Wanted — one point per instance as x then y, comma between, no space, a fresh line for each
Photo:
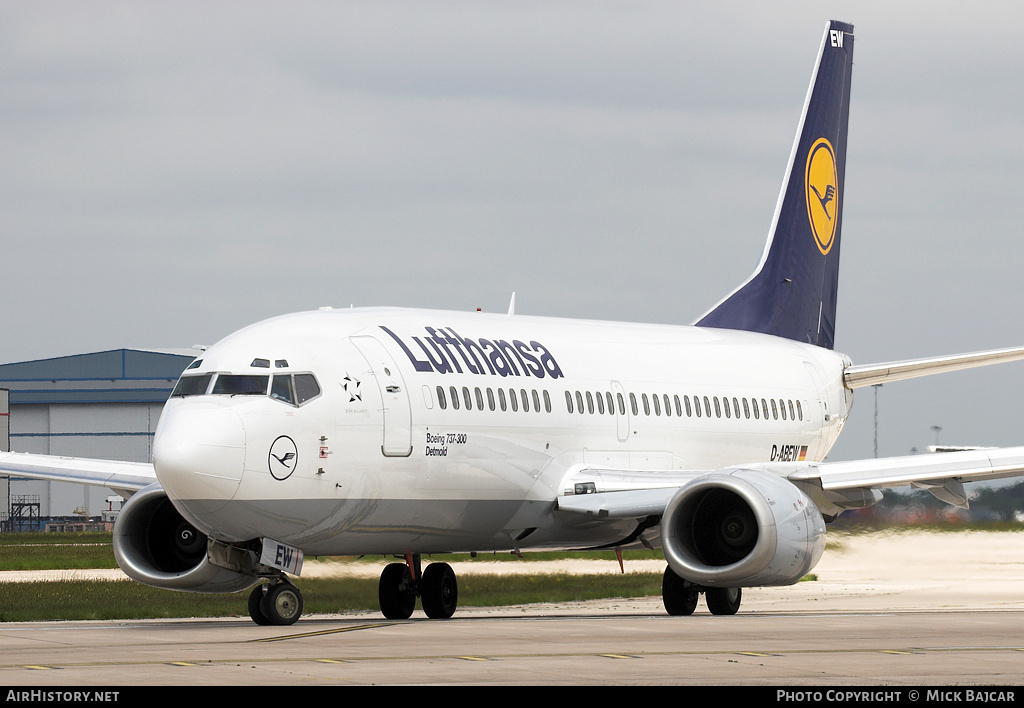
125,478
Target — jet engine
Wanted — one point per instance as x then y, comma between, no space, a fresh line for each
741,528
156,546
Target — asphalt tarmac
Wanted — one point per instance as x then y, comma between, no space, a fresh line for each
905,611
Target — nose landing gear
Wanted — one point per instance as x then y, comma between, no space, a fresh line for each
277,604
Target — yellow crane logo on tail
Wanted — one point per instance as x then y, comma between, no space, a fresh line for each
822,191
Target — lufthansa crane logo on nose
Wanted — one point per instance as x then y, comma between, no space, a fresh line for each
822,189
283,457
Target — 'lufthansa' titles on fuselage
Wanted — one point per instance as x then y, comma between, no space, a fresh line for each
447,352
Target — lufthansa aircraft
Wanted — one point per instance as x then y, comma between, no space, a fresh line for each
410,432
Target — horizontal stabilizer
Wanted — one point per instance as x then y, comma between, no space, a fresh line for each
872,374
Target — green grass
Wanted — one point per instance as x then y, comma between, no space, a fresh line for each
70,551
110,600
50,556
107,600
19,539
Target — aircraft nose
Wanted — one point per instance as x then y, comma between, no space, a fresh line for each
199,451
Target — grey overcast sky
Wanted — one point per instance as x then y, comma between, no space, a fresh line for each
175,171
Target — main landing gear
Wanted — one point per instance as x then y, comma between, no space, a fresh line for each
279,603
680,596
401,583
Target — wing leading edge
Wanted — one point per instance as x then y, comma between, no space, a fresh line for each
125,478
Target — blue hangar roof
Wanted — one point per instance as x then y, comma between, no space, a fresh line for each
116,376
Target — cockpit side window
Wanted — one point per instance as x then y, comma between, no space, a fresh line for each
306,388
281,389
295,389
192,385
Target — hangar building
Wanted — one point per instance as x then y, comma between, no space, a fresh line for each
102,405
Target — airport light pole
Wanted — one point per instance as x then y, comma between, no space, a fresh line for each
876,387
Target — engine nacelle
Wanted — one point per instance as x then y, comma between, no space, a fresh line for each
156,546
741,528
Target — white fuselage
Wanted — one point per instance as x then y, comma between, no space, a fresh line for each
442,431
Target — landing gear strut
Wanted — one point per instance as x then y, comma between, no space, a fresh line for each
680,596
401,583
278,604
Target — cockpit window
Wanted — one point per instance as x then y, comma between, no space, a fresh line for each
241,385
281,389
192,385
295,389
306,388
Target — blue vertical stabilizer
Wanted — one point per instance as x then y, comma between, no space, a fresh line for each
792,293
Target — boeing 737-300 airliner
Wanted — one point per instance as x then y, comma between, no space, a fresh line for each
410,432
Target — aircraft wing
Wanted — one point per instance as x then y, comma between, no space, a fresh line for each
942,473
833,485
125,478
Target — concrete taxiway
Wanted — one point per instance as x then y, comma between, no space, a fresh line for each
911,610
